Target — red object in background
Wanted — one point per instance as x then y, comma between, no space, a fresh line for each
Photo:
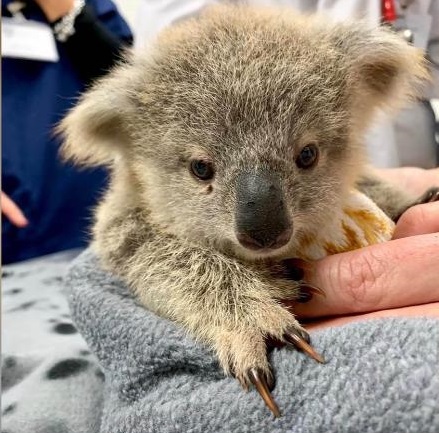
388,12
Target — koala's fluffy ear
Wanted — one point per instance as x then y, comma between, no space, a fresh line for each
96,130
384,70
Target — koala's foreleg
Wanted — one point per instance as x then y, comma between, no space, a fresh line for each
393,201
228,305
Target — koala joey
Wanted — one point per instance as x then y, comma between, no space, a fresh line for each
230,137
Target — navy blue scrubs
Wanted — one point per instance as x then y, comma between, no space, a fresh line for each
56,198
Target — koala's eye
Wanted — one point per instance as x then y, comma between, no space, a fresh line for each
308,156
202,169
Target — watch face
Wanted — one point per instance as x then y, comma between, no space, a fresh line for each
406,34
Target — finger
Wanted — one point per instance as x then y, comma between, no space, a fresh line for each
12,211
393,274
428,310
417,220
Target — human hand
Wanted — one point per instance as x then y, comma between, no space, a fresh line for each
55,9
12,212
396,278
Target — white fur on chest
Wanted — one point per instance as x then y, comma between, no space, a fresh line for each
358,223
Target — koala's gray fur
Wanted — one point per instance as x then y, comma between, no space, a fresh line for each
246,88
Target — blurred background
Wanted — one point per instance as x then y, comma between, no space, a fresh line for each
128,9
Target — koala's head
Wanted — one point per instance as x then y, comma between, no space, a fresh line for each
243,128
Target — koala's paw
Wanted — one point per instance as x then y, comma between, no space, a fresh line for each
429,196
243,353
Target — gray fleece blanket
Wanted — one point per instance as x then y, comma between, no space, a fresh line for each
381,376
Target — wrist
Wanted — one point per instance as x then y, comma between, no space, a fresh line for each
55,9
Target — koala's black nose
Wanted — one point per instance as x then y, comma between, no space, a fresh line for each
261,216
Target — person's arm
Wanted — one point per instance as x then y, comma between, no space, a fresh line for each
93,48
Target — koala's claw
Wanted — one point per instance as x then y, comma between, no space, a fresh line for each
264,382
430,196
300,340
307,291
296,337
258,379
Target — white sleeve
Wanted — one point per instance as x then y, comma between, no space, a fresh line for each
340,10
154,15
